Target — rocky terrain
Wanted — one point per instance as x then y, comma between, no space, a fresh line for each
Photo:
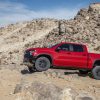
16,83
49,85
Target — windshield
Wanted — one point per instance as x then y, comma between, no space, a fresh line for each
52,46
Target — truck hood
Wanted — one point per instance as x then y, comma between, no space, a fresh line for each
38,49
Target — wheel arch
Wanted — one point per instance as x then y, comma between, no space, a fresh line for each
96,63
46,55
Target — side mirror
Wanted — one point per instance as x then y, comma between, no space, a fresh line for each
58,49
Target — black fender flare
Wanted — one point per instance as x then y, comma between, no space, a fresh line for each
95,62
45,54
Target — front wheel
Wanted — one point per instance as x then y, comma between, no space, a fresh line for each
96,72
42,64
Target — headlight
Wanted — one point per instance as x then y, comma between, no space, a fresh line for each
32,51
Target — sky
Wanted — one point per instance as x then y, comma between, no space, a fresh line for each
12,11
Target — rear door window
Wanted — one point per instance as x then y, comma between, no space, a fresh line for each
77,48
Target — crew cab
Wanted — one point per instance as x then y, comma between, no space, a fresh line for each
63,55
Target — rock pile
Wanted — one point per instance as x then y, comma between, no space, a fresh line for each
14,38
84,28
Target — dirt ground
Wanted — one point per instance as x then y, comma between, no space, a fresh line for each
61,78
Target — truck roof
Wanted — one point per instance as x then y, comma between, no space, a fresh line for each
72,43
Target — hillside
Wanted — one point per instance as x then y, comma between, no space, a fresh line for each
13,38
84,28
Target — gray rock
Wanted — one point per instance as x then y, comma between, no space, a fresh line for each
85,97
17,88
61,27
24,86
68,94
46,91
41,91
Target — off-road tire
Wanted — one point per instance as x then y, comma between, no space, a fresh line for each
96,72
42,64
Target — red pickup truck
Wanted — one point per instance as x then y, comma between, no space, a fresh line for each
63,55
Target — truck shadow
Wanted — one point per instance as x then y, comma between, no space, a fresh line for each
25,71
82,75
79,74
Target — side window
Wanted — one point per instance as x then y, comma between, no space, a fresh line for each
77,48
65,47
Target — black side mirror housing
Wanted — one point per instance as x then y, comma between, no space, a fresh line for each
58,49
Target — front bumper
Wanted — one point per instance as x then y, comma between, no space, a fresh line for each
28,60
28,64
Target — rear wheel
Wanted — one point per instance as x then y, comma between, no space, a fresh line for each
83,71
96,72
42,64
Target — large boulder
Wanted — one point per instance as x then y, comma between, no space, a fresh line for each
42,91
37,91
